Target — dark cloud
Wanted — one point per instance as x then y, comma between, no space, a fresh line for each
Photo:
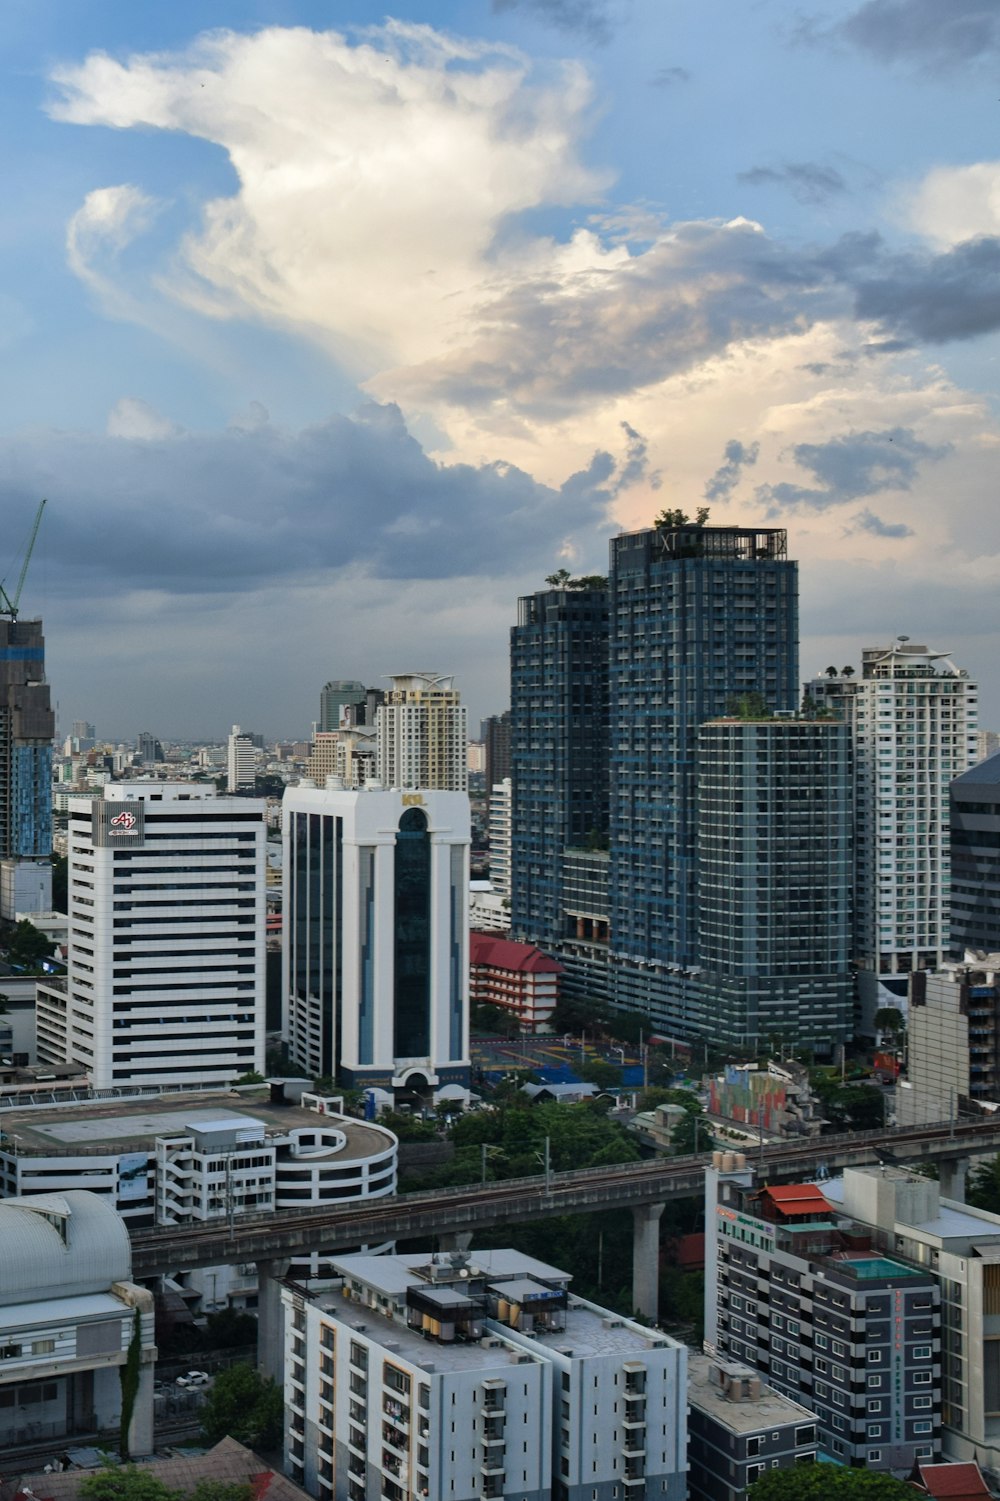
590,17
225,512
668,78
809,182
933,299
851,467
867,521
939,33
725,479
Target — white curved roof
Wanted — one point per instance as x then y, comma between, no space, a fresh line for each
60,1246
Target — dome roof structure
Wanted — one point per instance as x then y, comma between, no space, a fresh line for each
60,1246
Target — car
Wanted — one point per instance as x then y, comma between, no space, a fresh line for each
193,1379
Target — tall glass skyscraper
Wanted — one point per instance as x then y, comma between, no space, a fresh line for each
559,749
693,618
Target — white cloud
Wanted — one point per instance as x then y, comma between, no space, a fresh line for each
374,177
131,417
105,225
953,204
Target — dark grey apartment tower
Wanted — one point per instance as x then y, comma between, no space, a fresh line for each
559,749
699,616
975,858
773,870
27,725
495,735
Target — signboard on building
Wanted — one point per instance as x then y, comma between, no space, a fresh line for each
133,1169
117,824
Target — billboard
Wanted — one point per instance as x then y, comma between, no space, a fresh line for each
133,1172
117,823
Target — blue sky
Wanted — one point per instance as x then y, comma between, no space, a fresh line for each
329,330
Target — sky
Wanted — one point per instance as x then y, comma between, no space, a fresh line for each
327,331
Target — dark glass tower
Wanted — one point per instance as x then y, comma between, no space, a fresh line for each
699,616
27,725
559,749
774,868
975,858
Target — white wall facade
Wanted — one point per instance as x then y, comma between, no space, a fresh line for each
166,976
915,729
348,1006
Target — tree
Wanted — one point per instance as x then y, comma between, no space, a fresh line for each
889,1019
241,1404
559,579
748,706
223,1490
827,1483
604,1075
27,947
125,1483
832,672
251,1077
668,519
982,1189
847,672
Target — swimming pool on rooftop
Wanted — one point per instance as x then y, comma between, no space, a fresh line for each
867,1267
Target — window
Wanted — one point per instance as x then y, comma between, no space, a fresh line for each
921,1352
875,1381
874,1430
876,1405
753,1445
922,1378
839,1347
922,1402
754,1472
821,1342
805,1435
874,1455
874,1357
923,1426
821,1365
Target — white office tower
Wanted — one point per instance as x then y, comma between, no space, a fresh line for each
476,1378
915,720
241,762
165,980
375,939
500,839
422,734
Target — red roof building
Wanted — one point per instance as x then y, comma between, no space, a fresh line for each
517,976
950,1482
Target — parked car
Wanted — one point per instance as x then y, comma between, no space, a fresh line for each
192,1379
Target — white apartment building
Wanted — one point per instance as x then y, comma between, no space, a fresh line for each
475,1378
241,761
914,717
165,979
375,937
500,825
422,730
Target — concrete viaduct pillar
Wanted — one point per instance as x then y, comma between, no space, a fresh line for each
951,1177
646,1259
270,1320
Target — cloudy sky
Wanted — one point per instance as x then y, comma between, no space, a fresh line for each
327,332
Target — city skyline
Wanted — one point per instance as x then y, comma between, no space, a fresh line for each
361,360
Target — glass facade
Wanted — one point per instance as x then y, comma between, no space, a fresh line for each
412,1018
559,749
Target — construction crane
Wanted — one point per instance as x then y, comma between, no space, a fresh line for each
9,606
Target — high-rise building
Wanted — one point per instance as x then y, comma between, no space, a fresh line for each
422,734
337,695
495,735
241,764
500,838
774,873
476,1376
608,688
348,753
852,1332
952,1040
700,617
914,720
148,750
975,859
559,749
27,726
376,937
165,978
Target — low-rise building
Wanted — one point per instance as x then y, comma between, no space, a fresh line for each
476,1377
738,1427
516,976
70,1318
